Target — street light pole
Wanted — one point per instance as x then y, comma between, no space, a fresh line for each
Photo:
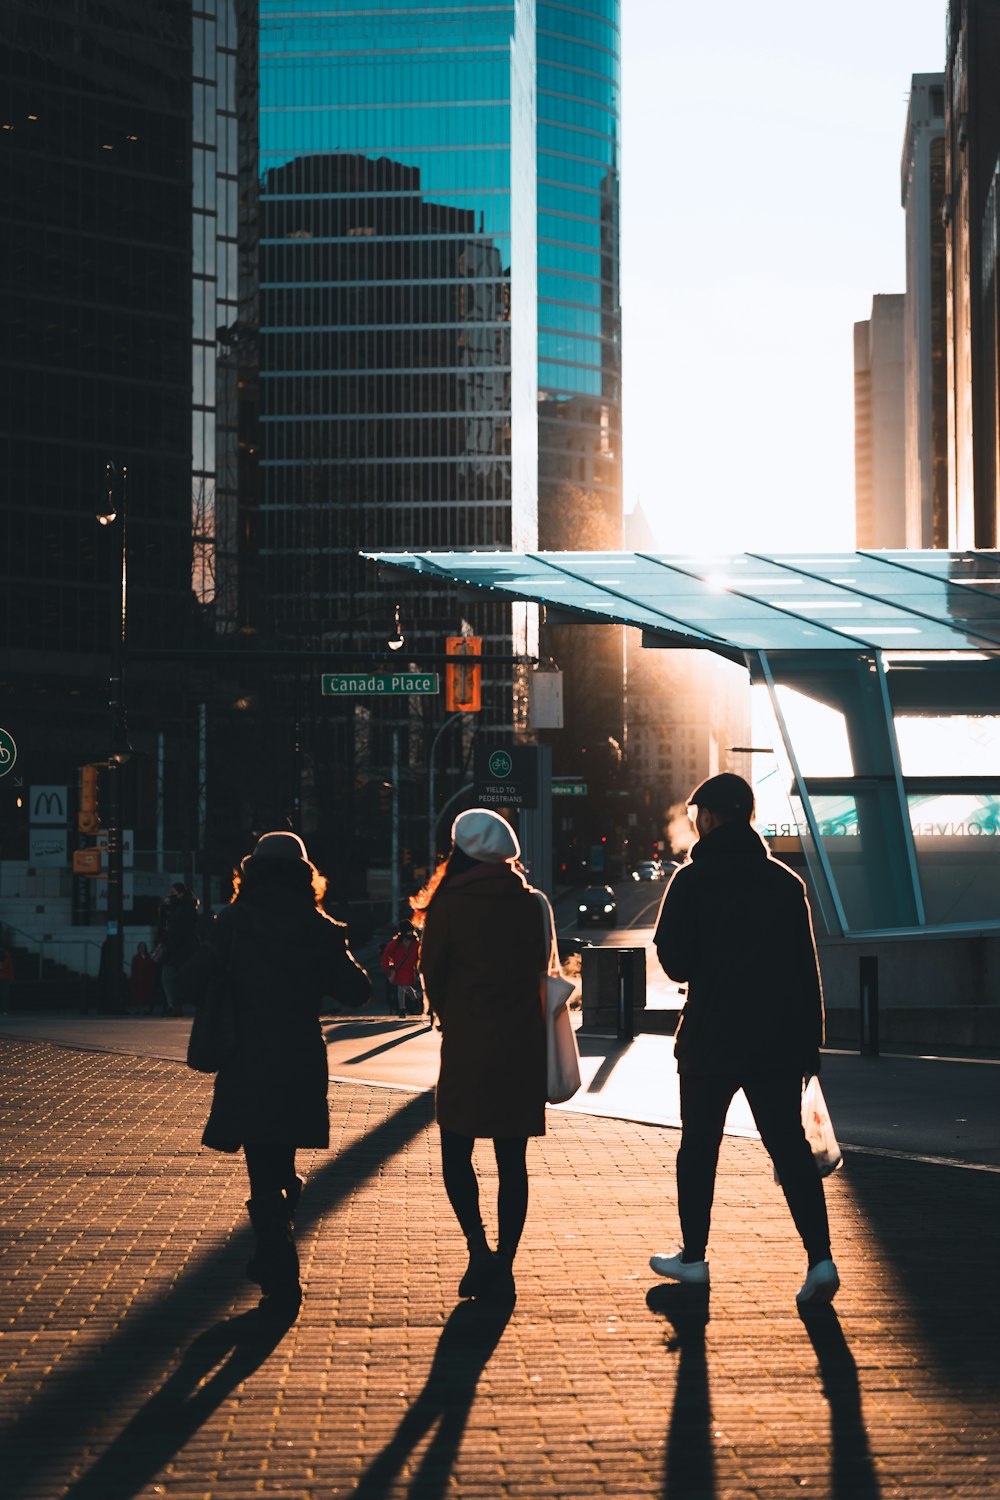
431,820
116,484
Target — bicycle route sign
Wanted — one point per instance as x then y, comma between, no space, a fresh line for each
378,684
8,752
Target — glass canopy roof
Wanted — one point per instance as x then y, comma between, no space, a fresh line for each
896,601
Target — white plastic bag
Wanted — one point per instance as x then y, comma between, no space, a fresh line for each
819,1131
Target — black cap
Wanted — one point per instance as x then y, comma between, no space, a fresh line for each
726,795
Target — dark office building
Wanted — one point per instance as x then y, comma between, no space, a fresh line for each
95,301
972,235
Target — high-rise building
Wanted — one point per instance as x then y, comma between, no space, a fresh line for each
95,282
924,345
435,337
972,218
879,427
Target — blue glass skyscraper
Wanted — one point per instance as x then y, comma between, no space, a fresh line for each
436,312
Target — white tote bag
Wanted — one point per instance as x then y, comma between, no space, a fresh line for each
563,1057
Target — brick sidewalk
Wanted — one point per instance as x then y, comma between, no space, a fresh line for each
131,1366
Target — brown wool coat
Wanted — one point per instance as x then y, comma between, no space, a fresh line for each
482,956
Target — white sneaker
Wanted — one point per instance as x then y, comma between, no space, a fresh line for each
821,1284
693,1272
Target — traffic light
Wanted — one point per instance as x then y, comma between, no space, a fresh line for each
463,678
88,819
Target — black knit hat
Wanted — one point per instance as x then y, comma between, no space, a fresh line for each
726,795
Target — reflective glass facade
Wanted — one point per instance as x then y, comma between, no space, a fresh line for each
396,303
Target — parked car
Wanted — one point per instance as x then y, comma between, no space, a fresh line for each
648,869
597,905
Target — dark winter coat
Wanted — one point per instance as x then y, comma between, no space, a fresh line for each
280,958
177,931
482,957
735,926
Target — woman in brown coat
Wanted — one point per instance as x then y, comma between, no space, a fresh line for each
483,953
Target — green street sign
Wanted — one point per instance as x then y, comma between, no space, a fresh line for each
569,789
378,684
8,752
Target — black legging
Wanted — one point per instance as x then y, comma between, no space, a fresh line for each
462,1187
270,1168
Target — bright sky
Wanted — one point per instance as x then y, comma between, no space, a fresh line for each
760,184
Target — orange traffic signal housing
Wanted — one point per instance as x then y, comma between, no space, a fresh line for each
463,677
86,861
88,818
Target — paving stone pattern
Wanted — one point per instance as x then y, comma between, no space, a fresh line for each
133,1365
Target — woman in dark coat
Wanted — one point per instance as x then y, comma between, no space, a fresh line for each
280,955
483,953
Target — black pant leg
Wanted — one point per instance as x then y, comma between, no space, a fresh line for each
512,1192
776,1102
705,1099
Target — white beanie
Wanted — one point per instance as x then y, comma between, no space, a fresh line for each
485,836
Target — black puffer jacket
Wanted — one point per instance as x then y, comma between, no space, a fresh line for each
735,926
281,958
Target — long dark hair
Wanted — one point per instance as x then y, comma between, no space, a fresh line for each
455,863
259,879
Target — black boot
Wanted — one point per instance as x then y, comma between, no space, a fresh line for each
293,1192
501,1287
275,1263
479,1271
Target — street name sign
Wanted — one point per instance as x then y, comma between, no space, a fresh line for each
378,684
569,789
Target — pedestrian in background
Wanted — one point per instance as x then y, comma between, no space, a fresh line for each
279,954
6,978
483,952
735,926
144,979
176,940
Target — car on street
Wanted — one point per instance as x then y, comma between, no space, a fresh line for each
648,869
598,907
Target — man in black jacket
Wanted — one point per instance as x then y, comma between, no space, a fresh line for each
735,927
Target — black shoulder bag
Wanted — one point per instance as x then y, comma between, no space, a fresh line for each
212,1042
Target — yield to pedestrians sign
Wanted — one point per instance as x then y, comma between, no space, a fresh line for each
507,776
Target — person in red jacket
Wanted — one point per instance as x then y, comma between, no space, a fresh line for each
735,927
144,979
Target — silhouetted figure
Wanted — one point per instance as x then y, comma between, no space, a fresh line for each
735,926
483,953
690,1454
469,1337
279,954
853,1476
176,939
6,979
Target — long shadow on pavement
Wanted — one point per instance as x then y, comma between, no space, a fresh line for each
232,1349
690,1455
59,1419
853,1472
939,1228
467,1341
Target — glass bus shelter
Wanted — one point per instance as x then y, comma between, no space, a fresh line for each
880,675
